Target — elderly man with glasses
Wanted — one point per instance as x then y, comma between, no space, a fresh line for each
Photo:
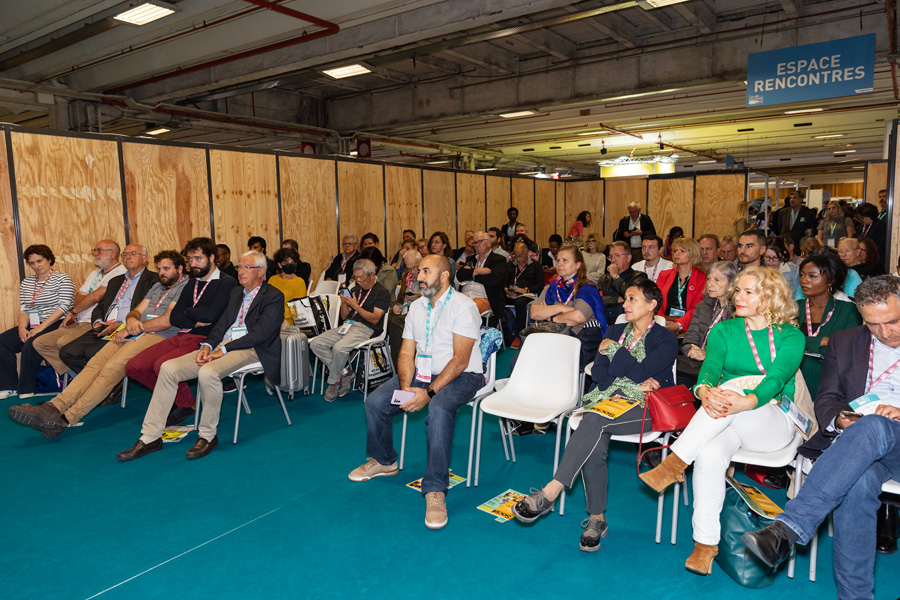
342,265
483,277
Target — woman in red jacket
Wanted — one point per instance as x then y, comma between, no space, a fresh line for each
682,287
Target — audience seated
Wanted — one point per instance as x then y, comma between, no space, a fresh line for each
728,249
303,270
341,268
777,256
709,249
682,287
653,263
849,251
409,293
869,255
496,238
750,248
633,228
409,237
287,281
223,261
385,275
461,255
619,277
524,280
439,243
483,278
871,227
258,244
521,235
548,256
368,240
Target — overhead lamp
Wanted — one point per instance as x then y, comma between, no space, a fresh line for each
519,113
354,153
530,173
651,4
488,169
828,136
158,131
593,133
706,162
674,155
437,162
603,149
844,151
145,13
347,71
800,111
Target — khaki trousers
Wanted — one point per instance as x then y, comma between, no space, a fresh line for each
99,377
209,386
48,345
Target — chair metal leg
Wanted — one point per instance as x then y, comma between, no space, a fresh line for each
365,363
478,446
660,507
283,407
471,443
403,441
237,417
813,555
509,438
124,390
676,497
197,409
503,438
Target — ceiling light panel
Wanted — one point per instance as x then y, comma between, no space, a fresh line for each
520,113
144,13
347,71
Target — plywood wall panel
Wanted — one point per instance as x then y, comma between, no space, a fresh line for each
716,202
876,179
308,197
245,199
498,194
559,215
167,195
523,199
361,199
584,195
671,203
545,211
70,196
470,205
439,196
620,192
403,187
9,268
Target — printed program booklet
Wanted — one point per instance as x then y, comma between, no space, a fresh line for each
611,408
454,480
755,499
176,433
501,506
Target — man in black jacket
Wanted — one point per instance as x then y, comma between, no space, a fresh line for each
122,295
247,332
795,219
201,305
619,275
483,277
632,230
341,268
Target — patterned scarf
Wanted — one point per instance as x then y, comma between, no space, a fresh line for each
560,291
622,386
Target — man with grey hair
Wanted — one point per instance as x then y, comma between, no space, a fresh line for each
633,228
439,366
858,410
248,331
342,265
362,308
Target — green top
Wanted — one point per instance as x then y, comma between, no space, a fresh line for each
728,355
845,316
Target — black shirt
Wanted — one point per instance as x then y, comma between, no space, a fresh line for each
378,298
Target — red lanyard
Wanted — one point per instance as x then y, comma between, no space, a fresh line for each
635,341
125,285
38,291
655,269
196,295
164,297
753,347
711,325
883,376
245,306
559,297
809,331
361,302
409,280
865,230
516,276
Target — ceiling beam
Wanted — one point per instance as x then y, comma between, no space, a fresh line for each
549,42
610,25
487,56
659,19
790,8
437,64
698,15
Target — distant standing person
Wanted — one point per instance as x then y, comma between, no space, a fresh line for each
509,229
633,228
581,221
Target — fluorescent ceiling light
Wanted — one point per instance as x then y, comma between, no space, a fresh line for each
803,110
859,167
706,162
348,71
828,136
354,153
437,162
844,151
520,113
158,131
144,13
488,169
593,133
530,173
651,4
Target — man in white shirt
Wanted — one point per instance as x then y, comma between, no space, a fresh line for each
653,263
78,320
439,365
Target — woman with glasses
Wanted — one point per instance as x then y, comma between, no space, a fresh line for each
682,287
715,307
594,259
44,299
778,257
848,251
439,243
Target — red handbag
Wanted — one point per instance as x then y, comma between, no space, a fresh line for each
671,408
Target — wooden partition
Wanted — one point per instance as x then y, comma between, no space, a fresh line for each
497,191
716,200
584,195
439,200
403,204
618,194
876,179
560,214
167,195
361,199
544,211
523,199
308,209
670,202
9,267
469,205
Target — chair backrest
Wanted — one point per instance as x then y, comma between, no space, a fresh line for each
334,307
315,286
547,361
659,319
326,287
383,335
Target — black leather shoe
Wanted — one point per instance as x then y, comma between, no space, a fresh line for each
113,396
202,447
772,544
140,449
179,415
886,529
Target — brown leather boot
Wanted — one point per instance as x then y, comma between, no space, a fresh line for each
665,474
701,559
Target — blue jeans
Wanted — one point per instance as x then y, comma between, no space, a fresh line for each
847,480
438,425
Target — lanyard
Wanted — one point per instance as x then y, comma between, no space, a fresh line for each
38,291
516,276
753,347
409,280
794,216
655,269
833,227
681,287
245,306
344,260
809,331
711,325
883,376
196,295
559,297
636,340
160,301
428,326
360,302
865,230
125,285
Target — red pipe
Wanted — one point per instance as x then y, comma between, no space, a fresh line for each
329,29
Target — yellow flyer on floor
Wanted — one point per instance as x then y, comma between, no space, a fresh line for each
454,480
175,433
612,408
501,506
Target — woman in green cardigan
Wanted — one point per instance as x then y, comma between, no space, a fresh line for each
822,313
763,343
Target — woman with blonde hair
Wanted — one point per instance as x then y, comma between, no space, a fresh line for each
834,225
682,287
594,259
761,348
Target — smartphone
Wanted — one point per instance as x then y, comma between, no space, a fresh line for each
853,416
346,292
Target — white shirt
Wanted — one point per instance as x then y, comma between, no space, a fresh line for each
94,280
653,272
460,317
473,289
888,391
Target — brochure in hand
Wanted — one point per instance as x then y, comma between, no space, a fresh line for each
501,506
755,499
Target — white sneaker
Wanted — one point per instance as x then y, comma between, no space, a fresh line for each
435,510
372,468
6,394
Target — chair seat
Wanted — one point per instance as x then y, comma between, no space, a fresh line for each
523,408
891,486
250,369
776,458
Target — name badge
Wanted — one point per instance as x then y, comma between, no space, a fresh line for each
148,317
830,243
342,279
864,400
238,332
794,413
423,368
676,312
345,327
34,318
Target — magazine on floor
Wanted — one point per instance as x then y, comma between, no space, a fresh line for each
454,480
755,499
176,433
501,506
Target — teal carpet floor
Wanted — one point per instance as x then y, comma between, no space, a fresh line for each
276,517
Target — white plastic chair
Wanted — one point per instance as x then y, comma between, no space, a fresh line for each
325,287
365,348
315,286
488,388
334,311
543,388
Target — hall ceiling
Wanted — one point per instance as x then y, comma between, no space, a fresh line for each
442,73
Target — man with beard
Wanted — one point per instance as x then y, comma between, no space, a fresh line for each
440,366
143,327
194,314
751,247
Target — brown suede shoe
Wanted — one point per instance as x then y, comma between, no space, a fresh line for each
665,474
701,559
202,447
43,417
140,449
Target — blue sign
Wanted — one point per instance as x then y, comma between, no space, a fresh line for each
812,72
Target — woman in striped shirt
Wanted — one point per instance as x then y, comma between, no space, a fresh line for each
44,299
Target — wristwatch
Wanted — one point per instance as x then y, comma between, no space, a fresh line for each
430,393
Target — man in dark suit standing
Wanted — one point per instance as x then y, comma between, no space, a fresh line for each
483,277
795,219
632,230
247,332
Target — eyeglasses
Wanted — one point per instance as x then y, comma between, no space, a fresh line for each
244,268
130,254
480,241
99,250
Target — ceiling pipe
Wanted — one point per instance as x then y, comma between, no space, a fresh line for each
329,29
892,47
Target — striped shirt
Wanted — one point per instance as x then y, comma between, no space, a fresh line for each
46,296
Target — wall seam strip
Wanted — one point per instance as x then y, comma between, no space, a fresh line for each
278,189
14,196
121,154
209,190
